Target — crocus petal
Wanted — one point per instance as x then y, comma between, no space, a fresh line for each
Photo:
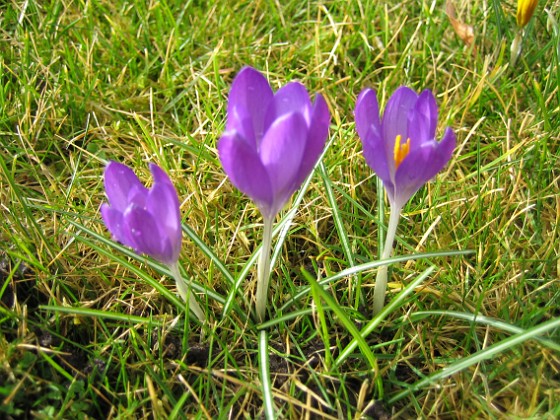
163,201
421,165
163,204
249,99
395,117
447,145
147,236
366,113
159,175
291,98
375,154
239,122
316,138
121,184
114,221
422,120
368,126
281,153
244,167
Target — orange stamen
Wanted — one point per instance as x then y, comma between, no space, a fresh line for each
401,150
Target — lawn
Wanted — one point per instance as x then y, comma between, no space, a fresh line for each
90,329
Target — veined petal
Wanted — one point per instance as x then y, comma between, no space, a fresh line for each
282,152
163,204
147,236
248,100
316,137
121,185
244,167
422,121
159,175
366,113
291,98
375,154
115,223
421,165
368,126
395,117
238,121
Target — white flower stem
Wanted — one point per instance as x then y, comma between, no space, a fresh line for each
381,280
263,271
185,292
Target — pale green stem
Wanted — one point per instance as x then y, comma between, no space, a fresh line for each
185,292
381,280
263,273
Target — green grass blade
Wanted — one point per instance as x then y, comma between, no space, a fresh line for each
368,266
480,356
386,311
355,293
343,318
484,320
97,313
209,253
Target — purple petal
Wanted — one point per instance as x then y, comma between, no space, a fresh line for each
248,100
159,175
115,224
238,121
291,98
147,236
317,136
368,126
395,117
244,167
447,145
375,154
122,186
163,204
421,165
282,152
366,113
168,207
422,120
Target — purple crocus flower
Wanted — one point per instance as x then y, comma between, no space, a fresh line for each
272,140
147,220
401,146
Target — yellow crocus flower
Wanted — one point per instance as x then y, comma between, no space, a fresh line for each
525,9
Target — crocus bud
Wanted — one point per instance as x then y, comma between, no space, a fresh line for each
525,10
147,220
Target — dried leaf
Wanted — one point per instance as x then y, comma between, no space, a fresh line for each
463,31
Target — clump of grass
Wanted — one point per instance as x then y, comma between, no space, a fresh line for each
89,328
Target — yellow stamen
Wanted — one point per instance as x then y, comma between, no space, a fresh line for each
401,150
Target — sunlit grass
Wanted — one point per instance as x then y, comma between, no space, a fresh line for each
87,327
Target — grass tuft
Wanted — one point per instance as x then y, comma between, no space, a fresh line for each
90,329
